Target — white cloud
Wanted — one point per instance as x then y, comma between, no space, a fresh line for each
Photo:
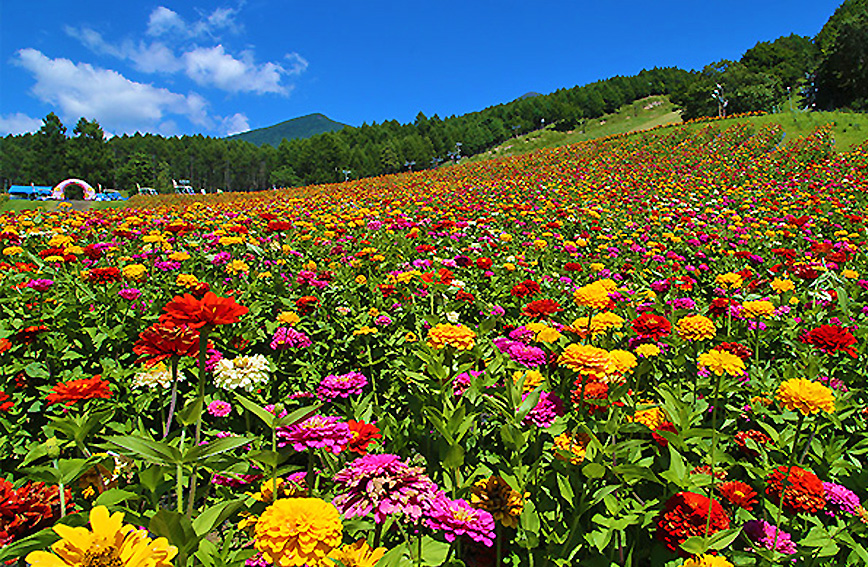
235,124
19,123
122,105
154,57
166,22
212,66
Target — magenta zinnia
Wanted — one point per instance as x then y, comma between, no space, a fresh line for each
341,385
318,431
383,485
457,517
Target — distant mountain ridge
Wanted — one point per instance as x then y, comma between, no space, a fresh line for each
301,127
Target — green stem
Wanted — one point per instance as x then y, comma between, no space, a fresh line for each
200,393
62,491
716,402
174,396
786,482
179,488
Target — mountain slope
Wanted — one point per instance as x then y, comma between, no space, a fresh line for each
301,127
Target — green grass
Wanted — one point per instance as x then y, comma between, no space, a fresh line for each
850,129
639,115
17,205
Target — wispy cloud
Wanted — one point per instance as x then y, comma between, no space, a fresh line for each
235,124
166,22
120,104
212,66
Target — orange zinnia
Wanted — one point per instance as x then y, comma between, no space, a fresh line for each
164,340
76,390
210,310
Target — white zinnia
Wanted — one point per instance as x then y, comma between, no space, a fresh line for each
243,372
157,375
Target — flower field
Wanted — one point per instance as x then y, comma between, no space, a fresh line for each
640,350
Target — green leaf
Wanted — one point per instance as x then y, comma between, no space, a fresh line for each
215,515
191,412
176,528
454,456
36,542
215,448
695,545
114,496
433,552
297,416
257,410
154,451
594,470
722,539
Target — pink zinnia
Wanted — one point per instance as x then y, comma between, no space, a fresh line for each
457,518
527,356
40,285
318,431
341,385
384,485
543,415
287,337
219,408
130,293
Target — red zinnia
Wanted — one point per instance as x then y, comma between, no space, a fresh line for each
831,339
464,296
650,325
76,390
541,308
210,310
737,349
484,263
28,334
758,437
738,493
686,515
363,435
804,491
104,275
525,289
665,426
165,340
6,402
30,508
5,345
596,396
718,306
278,226
306,304
573,267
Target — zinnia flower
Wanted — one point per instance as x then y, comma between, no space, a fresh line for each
211,310
341,386
358,554
219,408
572,447
541,308
363,434
758,309
831,339
78,390
296,532
804,491
546,411
458,336
287,337
585,359
800,394
696,328
458,518
383,485
28,509
652,326
721,362
768,536
318,431
494,495
840,499
109,542
738,493
686,515
594,295
164,340
246,372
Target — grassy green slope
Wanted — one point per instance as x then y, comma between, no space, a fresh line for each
850,129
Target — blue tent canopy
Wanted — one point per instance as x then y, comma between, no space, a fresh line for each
29,191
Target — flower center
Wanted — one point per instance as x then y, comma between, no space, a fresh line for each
98,556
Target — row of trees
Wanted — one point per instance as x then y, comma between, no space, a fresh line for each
827,72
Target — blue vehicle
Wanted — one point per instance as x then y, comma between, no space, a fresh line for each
29,192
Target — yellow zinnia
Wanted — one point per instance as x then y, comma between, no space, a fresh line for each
800,394
594,295
458,336
358,554
108,542
299,531
781,286
757,309
288,318
707,561
722,362
494,495
695,328
576,446
587,360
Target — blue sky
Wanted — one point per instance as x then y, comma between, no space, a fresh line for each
173,67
